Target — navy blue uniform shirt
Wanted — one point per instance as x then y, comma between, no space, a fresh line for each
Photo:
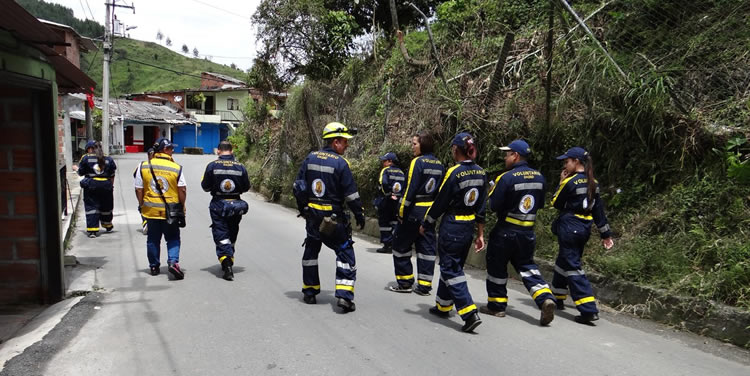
462,194
425,174
571,198
325,183
89,166
392,181
225,178
517,195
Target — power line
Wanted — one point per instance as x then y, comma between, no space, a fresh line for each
221,9
158,67
228,57
90,12
85,16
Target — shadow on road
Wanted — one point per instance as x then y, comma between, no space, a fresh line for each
325,297
216,270
424,311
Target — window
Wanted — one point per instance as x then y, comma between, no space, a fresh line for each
194,102
233,104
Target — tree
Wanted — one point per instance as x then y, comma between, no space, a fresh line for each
362,12
159,36
264,76
64,15
169,42
195,52
233,66
185,49
310,39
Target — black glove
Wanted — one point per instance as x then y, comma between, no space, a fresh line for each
360,218
304,212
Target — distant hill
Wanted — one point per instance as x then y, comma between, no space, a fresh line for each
64,15
136,65
134,68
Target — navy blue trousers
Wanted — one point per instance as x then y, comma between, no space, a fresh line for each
454,243
387,221
407,233
224,230
98,202
341,243
517,248
572,236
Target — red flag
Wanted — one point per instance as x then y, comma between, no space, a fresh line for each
90,98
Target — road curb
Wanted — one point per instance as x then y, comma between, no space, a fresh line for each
34,332
704,317
68,223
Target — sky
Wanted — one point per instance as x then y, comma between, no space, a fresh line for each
220,29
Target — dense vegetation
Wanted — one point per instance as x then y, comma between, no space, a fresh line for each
63,15
668,136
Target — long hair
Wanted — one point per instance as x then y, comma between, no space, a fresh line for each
99,154
426,142
588,170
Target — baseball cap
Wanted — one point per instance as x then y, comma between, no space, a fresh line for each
90,144
163,143
389,156
574,152
462,139
519,146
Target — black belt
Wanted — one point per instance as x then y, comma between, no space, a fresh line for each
227,197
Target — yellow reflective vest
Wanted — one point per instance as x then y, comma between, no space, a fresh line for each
167,173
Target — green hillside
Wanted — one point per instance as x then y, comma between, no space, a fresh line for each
134,68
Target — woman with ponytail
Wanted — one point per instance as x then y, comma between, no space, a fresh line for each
460,201
577,199
98,171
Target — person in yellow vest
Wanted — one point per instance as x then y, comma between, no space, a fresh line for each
165,187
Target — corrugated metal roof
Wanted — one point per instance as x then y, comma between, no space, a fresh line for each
227,78
87,44
144,112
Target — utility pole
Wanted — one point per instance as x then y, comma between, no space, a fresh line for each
105,70
105,82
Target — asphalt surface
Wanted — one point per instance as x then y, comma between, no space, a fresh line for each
138,324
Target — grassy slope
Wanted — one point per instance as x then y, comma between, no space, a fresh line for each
130,77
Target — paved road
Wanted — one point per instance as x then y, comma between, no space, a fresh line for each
143,325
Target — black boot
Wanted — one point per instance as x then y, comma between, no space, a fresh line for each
471,323
226,266
587,318
346,305
437,312
385,249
